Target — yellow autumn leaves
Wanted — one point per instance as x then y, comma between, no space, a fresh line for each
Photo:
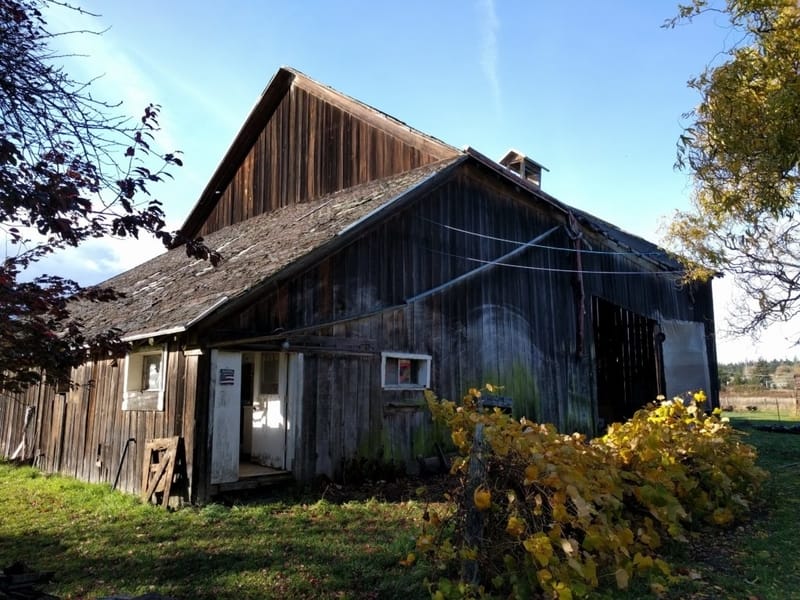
482,498
515,526
553,510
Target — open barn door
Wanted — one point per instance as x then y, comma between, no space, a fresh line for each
226,382
277,390
630,371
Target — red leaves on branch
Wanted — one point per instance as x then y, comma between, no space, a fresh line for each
70,170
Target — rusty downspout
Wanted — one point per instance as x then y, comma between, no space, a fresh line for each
576,235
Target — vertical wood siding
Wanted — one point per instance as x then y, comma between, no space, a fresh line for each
310,148
83,433
510,326
515,327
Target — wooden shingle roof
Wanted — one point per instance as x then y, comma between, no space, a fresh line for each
171,292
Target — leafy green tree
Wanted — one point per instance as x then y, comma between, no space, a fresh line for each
728,374
743,150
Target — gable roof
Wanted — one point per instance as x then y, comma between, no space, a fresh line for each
278,87
170,293
626,241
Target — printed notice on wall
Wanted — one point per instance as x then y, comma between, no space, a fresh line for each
226,376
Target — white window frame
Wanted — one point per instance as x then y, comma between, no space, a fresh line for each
423,380
133,396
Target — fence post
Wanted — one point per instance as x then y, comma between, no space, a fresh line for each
476,476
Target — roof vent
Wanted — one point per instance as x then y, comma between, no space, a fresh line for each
524,167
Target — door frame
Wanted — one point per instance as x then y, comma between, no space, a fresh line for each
289,396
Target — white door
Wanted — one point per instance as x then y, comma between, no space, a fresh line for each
226,385
277,389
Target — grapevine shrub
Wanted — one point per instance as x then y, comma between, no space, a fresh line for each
680,461
538,512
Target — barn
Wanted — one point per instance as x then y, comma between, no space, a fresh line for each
363,262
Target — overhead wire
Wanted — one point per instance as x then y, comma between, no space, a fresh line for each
542,246
550,269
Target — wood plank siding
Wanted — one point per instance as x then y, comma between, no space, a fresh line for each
393,290
83,432
311,147
349,239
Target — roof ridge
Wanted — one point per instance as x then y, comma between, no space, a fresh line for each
389,117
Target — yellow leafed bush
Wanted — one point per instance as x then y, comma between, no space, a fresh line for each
560,515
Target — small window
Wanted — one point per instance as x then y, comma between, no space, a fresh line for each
144,380
268,383
405,371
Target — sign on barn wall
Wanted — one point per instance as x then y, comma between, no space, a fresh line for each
227,376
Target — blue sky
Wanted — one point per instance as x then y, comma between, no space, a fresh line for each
593,90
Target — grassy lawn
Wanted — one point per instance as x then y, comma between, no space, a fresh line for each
762,558
98,542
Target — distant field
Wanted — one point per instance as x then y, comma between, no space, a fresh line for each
762,417
777,402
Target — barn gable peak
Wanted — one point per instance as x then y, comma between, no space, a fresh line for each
303,140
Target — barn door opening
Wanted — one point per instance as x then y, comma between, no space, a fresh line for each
276,392
246,414
630,371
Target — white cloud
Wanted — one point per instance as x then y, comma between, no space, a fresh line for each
97,260
490,27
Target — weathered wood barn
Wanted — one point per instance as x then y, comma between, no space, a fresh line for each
363,262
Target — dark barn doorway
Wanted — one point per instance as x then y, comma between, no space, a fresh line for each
630,369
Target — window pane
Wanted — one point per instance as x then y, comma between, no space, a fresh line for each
151,372
404,371
390,376
268,383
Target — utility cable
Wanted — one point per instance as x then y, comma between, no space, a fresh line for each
551,269
542,246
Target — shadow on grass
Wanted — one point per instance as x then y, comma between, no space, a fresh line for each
269,550
103,564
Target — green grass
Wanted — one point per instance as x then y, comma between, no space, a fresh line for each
745,419
760,558
99,542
